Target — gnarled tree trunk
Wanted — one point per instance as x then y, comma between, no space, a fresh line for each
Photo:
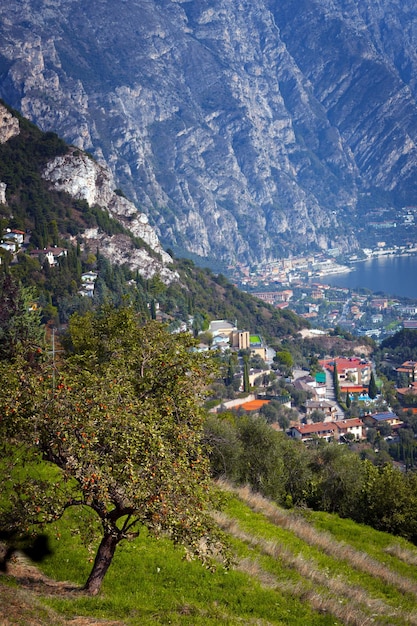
102,562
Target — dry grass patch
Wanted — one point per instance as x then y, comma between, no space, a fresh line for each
322,540
401,553
350,603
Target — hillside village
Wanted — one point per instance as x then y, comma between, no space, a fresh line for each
319,415
14,242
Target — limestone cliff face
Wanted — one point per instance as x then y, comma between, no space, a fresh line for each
83,178
244,130
9,125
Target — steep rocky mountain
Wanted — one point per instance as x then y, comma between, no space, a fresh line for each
245,131
75,173
55,198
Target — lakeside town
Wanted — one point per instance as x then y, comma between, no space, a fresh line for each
299,284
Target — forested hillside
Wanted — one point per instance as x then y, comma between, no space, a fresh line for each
52,218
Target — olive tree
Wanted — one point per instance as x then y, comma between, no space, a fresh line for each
119,424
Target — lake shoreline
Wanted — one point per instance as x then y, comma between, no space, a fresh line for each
394,275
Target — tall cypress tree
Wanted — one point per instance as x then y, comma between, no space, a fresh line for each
246,384
372,388
348,401
336,385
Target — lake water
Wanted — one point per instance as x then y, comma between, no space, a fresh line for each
394,276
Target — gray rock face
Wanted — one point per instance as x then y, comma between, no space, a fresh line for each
82,178
9,125
245,130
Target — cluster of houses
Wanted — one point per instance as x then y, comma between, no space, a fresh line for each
354,375
14,240
344,430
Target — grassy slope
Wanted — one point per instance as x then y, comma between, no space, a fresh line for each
290,569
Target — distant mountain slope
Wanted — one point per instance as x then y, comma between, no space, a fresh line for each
56,195
245,130
53,191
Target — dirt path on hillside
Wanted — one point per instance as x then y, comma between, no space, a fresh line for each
22,589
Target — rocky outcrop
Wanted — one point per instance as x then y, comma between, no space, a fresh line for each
81,177
9,125
3,199
246,130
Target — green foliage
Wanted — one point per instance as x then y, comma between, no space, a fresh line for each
246,384
317,416
372,388
121,420
285,360
261,463
395,350
323,476
336,385
348,401
20,327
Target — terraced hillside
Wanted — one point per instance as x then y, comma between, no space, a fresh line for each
290,567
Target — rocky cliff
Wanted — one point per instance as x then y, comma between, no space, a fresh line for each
80,176
244,130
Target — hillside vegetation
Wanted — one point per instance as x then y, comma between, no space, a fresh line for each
55,218
289,568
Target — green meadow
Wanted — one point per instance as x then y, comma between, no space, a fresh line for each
290,567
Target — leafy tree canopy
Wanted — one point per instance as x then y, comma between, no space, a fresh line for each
119,425
20,328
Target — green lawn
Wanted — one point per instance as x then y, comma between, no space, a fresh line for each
289,568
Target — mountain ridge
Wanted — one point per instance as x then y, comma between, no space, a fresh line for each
246,132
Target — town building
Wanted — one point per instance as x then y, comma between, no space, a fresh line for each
387,417
329,431
327,407
52,255
349,370
409,368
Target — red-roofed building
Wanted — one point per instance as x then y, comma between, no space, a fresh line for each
408,392
349,370
353,426
410,369
328,430
52,255
306,432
